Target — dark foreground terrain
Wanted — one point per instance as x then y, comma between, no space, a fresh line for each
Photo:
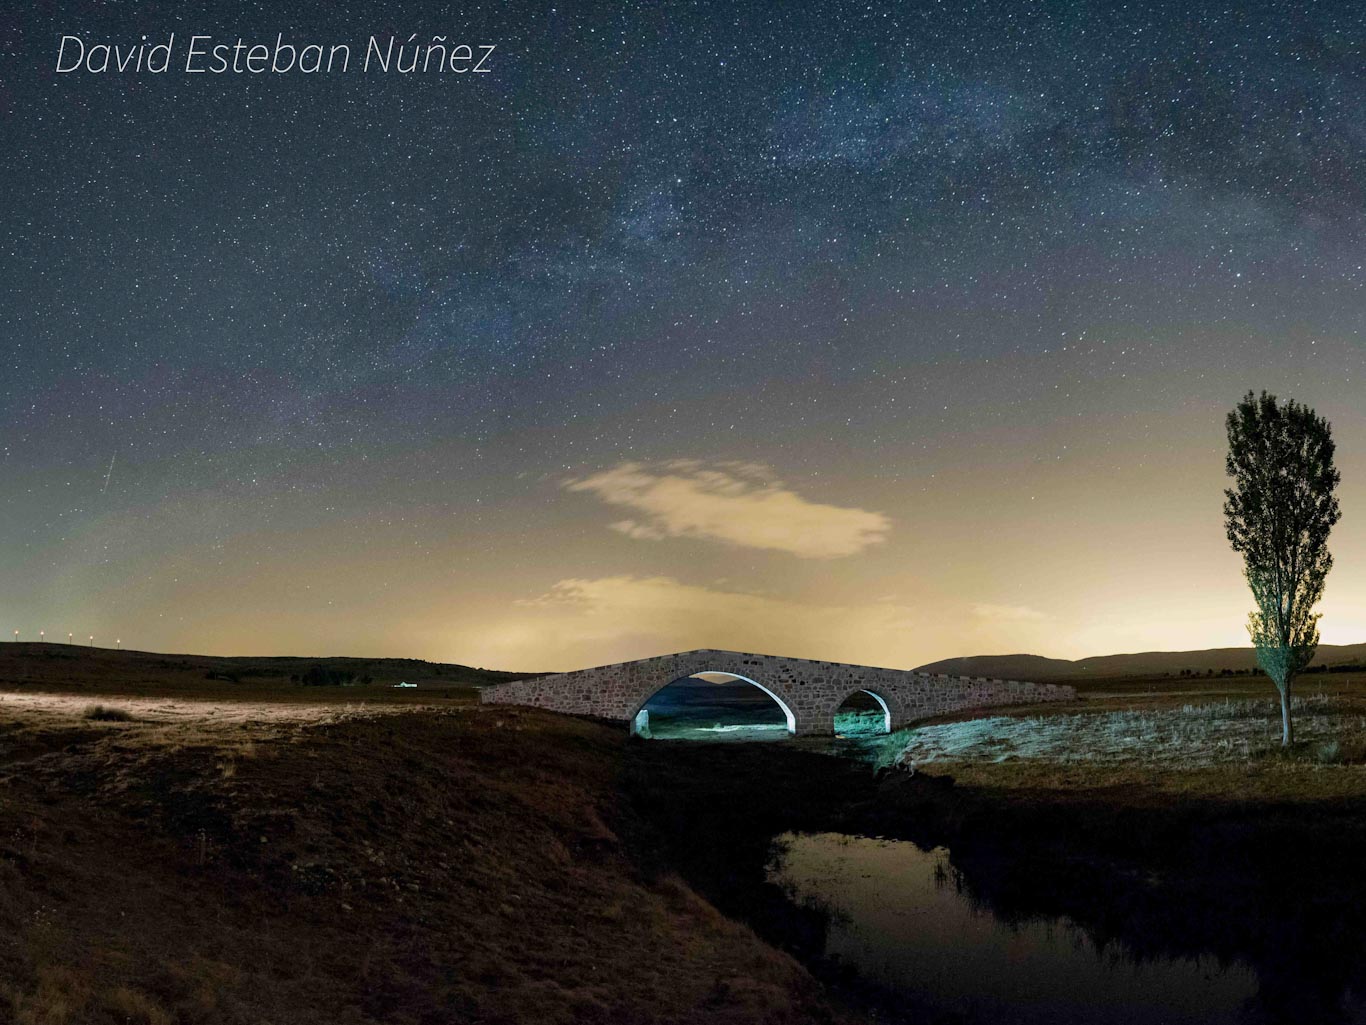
167,859
441,865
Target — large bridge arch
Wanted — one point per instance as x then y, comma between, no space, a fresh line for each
635,719
809,691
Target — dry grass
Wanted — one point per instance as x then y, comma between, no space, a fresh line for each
240,862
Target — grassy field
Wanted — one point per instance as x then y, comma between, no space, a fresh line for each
1212,737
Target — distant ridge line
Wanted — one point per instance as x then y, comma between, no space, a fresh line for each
1147,663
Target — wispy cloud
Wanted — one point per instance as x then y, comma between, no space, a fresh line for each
1007,613
735,503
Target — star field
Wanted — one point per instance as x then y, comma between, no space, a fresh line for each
993,271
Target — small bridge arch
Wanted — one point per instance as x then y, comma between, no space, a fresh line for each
885,703
809,692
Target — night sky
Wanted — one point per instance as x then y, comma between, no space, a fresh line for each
869,332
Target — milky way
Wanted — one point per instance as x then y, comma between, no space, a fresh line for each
990,273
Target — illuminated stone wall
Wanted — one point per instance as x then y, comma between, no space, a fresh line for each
809,692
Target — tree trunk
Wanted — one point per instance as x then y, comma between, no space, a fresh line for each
1287,730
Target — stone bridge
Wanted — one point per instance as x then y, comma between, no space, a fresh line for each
808,692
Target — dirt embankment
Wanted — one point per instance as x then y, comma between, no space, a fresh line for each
415,867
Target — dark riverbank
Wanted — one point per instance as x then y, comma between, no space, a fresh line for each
1272,884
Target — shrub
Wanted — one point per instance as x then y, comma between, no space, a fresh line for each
108,713
319,675
1329,753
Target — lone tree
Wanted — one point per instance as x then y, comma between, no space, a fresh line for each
1279,513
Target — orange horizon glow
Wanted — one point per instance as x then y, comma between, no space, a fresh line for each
1120,551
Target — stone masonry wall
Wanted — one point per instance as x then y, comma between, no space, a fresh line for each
810,692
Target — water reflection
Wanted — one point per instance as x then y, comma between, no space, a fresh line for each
900,915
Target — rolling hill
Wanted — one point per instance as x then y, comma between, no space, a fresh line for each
47,666
1146,663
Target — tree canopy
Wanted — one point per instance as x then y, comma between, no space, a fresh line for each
1278,514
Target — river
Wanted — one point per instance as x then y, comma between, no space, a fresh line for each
903,916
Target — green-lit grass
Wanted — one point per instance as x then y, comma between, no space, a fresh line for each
1207,737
